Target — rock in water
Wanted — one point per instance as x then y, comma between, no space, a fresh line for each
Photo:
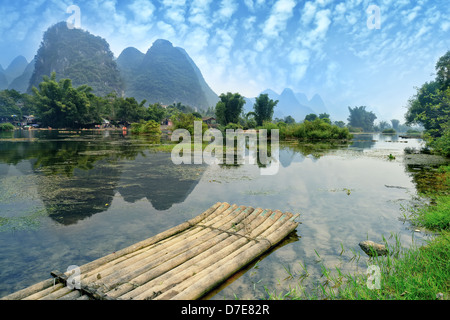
371,248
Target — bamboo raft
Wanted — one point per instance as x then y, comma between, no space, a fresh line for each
182,263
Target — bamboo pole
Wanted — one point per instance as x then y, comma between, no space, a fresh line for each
38,295
180,255
143,282
217,273
26,292
184,262
226,254
182,272
223,251
130,269
111,266
161,236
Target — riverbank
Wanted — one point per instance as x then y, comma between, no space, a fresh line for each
420,272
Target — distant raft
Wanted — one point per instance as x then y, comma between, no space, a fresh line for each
183,263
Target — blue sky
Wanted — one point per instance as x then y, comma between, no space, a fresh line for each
247,46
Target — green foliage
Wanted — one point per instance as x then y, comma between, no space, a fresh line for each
13,102
361,118
77,55
311,117
229,108
289,120
146,127
6,126
312,131
231,126
443,70
340,124
389,131
264,108
60,105
442,143
430,107
355,130
128,110
186,121
155,112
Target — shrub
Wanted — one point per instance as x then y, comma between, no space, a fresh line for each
442,144
146,127
6,127
389,131
186,121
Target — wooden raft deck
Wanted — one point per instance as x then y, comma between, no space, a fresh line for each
183,263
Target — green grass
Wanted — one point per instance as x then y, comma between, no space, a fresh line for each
420,272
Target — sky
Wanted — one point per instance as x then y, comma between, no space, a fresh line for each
352,53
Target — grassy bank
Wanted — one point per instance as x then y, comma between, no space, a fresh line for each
421,272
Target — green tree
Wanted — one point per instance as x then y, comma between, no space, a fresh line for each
340,124
311,117
8,105
263,108
229,108
155,112
289,120
443,71
361,118
325,117
430,107
186,121
128,110
60,105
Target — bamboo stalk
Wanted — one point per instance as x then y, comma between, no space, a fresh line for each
117,263
131,269
214,275
182,254
184,262
45,292
26,292
145,243
57,294
182,272
227,254
141,283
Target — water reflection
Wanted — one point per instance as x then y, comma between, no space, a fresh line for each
79,173
131,191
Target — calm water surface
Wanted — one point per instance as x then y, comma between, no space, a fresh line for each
67,198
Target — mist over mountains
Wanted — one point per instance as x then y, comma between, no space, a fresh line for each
290,103
164,74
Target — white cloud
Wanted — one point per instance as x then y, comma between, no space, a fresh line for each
445,26
282,11
196,40
226,10
175,10
200,13
308,13
142,10
168,32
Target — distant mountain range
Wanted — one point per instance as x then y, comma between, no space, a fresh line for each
165,74
290,103
17,74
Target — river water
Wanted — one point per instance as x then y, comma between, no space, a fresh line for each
67,198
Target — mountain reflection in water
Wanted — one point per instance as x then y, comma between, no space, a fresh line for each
79,176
